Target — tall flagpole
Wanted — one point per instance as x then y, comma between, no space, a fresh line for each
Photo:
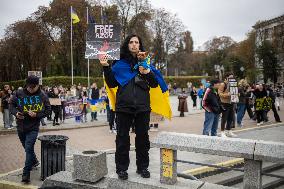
102,20
71,49
88,58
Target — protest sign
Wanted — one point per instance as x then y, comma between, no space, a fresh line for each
103,39
55,101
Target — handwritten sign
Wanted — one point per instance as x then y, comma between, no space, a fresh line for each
30,103
103,39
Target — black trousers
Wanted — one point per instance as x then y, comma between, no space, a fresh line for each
142,143
227,116
275,113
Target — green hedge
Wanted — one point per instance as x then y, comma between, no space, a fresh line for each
66,81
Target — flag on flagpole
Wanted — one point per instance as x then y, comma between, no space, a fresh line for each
91,19
74,16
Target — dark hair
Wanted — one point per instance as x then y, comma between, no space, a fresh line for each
124,50
32,80
214,81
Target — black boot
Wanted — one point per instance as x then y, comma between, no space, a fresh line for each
144,173
26,178
123,175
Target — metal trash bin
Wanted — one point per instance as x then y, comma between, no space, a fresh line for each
53,151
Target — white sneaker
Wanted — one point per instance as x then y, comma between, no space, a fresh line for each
230,134
258,124
223,134
114,131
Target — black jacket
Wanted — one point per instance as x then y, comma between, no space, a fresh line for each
95,93
134,97
23,101
211,101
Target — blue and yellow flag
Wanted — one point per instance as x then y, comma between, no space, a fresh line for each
159,96
74,16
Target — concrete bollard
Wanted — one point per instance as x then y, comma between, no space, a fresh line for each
168,166
252,174
89,166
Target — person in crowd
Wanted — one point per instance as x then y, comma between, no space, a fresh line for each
249,101
154,121
84,95
63,97
272,95
200,93
241,105
189,87
193,95
55,108
260,93
170,88
29,105
7,116
212,106
182,103
95,95
132,104
278,98
175,88
228,113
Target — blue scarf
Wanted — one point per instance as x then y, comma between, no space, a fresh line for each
123,74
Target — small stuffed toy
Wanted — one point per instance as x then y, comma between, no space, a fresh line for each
144,60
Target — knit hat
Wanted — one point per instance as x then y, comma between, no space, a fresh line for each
32,80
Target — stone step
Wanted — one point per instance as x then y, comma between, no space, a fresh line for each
235,178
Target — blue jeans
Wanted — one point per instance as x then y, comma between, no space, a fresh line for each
210,123
241,110
28,140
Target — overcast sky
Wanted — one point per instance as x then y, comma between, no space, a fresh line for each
204,18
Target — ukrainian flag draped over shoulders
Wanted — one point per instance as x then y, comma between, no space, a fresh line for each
159,96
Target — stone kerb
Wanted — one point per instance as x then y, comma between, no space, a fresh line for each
231,147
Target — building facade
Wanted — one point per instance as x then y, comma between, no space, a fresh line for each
273,31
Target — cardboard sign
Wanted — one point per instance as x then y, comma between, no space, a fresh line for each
233,89
38,74
101,39
55,101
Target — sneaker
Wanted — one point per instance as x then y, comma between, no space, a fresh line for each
26,178
114,131
9,128
258,124
123,175
223,135
144,173
230,134
57,123
44,124
240,125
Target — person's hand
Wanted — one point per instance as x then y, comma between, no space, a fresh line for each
142,70
19,115
103,59
32,114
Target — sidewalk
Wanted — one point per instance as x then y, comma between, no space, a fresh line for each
102,120
14,178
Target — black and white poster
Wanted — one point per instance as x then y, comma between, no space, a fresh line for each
233,88
103,39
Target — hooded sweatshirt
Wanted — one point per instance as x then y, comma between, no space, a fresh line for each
23,101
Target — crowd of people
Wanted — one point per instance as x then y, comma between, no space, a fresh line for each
57,115
257,100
